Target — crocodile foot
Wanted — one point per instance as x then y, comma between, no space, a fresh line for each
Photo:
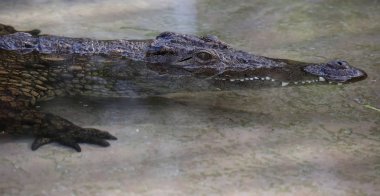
74,137
64,132
47,127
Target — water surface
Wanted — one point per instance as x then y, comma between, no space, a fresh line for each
310,140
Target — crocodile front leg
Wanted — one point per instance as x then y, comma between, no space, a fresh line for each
47,128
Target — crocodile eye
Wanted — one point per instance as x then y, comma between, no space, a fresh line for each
204,56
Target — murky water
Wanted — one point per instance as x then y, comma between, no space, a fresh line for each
311,140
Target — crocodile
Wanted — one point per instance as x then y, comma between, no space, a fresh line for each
36,67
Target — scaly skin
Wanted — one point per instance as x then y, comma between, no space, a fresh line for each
38,67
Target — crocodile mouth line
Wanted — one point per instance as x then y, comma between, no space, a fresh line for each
282,83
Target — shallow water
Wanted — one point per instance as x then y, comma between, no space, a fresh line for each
310,140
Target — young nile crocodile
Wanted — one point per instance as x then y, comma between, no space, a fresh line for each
37,67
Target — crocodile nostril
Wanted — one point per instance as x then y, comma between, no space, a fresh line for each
338,65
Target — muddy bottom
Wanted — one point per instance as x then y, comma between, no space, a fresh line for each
222,143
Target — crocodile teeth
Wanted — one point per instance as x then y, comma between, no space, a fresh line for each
321,79
256,78
232,80
284,83
267,78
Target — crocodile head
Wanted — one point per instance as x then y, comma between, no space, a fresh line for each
214,64
6,29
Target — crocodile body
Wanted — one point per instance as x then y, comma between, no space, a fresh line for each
38,67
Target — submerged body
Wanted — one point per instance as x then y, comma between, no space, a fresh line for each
35,68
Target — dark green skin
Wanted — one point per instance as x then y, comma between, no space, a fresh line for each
38,67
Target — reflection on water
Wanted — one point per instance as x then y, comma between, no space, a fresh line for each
312,140
102,19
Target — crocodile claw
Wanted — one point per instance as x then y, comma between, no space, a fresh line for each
70,143
40,141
